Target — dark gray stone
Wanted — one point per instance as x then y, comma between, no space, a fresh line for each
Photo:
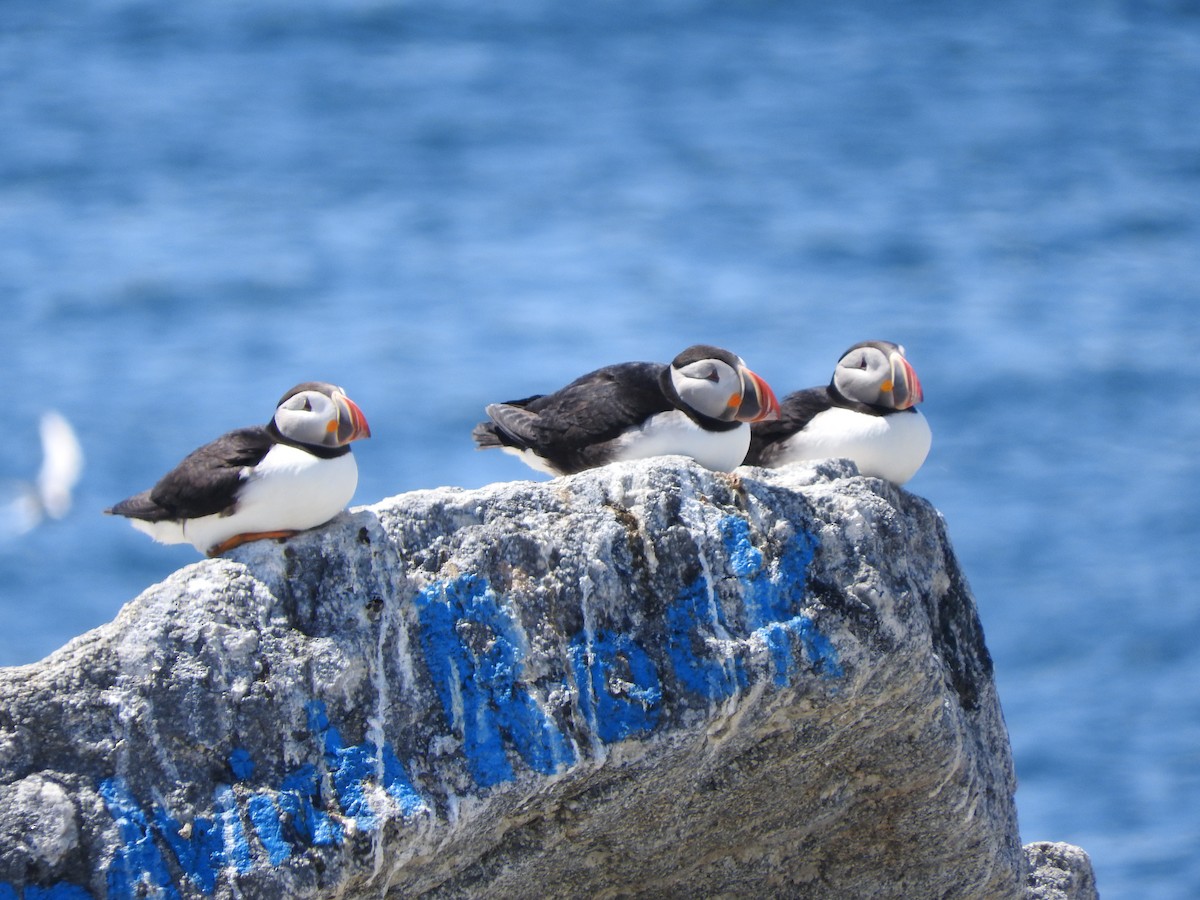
645,680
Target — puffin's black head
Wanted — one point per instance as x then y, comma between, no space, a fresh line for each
716,384
318,414
876,372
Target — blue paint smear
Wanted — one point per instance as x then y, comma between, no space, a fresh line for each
779,645
7,891
241,764
265,819
311,825
497,709
235,845
820,650
346,767
745,560
771,602
616,716
199,855
137,864
353,769
772,594
793,566
60,891
767,599
212,844
318,721
397,785
290,819
687,617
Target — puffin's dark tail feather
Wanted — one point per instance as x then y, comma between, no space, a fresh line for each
140,506
513,425
485,436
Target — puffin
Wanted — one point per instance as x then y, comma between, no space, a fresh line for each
700,405
866,413
267,481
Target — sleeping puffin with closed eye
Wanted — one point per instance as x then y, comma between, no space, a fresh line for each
866,413
698,406
271,481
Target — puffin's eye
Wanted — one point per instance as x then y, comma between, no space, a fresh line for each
307,405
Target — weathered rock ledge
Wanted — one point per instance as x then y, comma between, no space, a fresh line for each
643,681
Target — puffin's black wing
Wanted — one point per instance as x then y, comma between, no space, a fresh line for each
592,410
205,483
795,412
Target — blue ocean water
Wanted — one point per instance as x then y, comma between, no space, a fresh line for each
438,204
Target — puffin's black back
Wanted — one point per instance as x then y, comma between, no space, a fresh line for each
571,426
204,483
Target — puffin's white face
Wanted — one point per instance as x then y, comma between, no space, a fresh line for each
709,386
724,390
321,417
877,373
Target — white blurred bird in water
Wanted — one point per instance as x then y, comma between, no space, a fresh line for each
50,495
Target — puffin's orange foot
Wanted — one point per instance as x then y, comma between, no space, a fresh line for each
238,539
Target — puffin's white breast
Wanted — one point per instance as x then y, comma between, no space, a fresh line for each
890,447
673,432
289,490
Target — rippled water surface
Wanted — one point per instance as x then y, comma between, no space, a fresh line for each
438,205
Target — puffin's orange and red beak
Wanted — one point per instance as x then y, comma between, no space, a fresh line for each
906,386
351,423
758,400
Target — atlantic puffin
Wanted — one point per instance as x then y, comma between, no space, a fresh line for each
867,413
697,406
269,481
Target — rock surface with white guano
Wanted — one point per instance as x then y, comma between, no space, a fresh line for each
647,680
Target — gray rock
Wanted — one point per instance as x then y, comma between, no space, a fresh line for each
646,680
1059,872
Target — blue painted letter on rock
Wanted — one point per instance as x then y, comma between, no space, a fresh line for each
707,650
619,691
137,868
473,651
